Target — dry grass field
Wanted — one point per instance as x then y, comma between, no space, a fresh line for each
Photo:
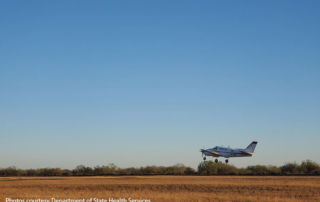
164,188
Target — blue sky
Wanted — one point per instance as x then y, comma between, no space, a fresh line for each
140,83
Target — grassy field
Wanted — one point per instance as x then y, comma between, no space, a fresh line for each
164,188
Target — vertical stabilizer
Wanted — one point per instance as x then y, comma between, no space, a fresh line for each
251,147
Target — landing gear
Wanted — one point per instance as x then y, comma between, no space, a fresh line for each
204,158
216,160
227,160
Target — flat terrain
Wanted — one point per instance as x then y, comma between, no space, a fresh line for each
164,188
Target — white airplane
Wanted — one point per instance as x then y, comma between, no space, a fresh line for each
229,152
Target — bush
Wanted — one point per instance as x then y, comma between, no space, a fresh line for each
226,169
258,170
207,168
66,172
309,166
316,172
290,168
274,170
244,171
189,171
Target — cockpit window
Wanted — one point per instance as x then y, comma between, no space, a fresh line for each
215,148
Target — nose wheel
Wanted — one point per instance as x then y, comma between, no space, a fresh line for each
227,160
204,158
216,160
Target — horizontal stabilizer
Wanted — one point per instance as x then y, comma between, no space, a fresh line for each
246,153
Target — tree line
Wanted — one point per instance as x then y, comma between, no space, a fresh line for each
306,167
204,168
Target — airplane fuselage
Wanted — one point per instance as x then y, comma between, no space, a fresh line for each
228,152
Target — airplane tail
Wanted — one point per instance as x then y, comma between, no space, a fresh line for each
251,147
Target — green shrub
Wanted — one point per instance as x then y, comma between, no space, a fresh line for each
290,168
189,171
309,166
207,168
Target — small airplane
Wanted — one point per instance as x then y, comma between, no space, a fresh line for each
228,152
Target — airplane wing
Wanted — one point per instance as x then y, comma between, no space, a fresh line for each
212,152
246,153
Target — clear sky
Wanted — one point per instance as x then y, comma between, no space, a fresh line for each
140,83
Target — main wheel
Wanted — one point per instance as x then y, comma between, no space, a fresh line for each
216,160
204,158
227,161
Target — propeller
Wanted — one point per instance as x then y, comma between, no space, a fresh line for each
201,150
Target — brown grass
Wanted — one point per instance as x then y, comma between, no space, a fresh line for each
164,188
